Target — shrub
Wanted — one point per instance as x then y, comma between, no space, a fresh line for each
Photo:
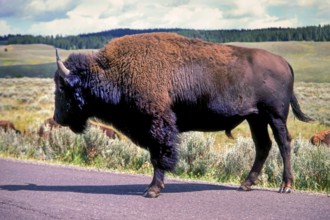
236,161
311,166
197,157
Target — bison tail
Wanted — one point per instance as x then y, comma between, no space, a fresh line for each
296,107
297,110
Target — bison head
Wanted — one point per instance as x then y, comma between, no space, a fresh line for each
70,100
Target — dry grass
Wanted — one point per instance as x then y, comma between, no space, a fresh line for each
26,101
31,54
29,101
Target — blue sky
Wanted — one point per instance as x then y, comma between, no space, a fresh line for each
71,17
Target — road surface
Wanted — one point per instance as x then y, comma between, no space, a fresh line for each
30,190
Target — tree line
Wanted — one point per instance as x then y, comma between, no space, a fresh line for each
97,40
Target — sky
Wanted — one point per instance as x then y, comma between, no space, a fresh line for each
72,17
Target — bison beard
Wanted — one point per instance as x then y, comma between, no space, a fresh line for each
153,86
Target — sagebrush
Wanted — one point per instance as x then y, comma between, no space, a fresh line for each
198,157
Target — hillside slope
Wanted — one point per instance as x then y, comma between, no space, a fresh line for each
310,60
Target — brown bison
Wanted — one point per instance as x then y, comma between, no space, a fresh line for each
151,87
8,125
48,125
110,133
322,138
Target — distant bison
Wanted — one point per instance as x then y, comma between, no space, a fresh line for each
322,138
153,86
8,125
48,125
110,133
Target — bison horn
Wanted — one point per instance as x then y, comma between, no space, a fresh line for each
62,69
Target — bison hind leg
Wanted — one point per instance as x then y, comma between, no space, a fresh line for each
283,140
258,126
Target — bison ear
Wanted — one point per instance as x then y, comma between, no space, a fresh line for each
64,72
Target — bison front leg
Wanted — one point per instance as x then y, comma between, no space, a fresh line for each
163,153
157,184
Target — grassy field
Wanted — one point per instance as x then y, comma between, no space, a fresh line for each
310,60
211,156
35,60
29,101
26,101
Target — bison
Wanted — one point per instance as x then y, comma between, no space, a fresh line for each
153,86
51,124
8,125
110,133
322,138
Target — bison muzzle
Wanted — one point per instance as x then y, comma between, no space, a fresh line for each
153,86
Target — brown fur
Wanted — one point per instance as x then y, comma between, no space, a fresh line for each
8,125
322,138
112,134
160,73
51,124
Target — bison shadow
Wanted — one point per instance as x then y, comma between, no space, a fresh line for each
134,189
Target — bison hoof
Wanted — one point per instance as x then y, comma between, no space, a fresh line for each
285,190
285,187
244,188
151,193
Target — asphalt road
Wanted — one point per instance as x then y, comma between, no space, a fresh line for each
39,191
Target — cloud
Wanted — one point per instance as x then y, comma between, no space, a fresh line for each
5,28
68,17
36,10
11,8
48,10
272,21
250,8
139,15
193,17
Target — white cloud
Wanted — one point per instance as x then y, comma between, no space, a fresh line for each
193,17
306,2
271,21
5,28
250,8
37,6
74,17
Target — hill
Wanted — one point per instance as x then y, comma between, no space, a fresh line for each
33,60
310,60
